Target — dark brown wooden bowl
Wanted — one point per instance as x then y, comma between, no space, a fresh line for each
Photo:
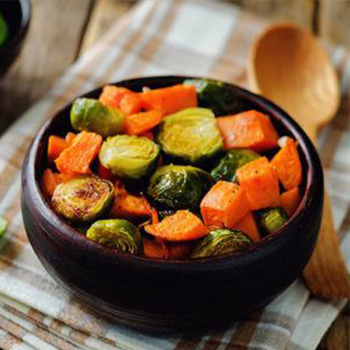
173,296
16,14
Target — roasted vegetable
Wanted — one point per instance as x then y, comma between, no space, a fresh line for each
260,183
249,129
181,226
157,249
88,114
169,99
248,226
77,157
120,234
224,205
230,162
290,200
83,198
179,187
3,226
190,135
129,156
139,123
287,163
221,242
217,96
49,181
56,145
271,219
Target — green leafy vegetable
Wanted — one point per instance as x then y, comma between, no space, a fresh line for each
179,187
230,162
190,135
83,198
88,114
271,219
219,242
129,156
116,233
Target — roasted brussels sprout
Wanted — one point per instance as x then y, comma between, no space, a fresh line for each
179,187
271,219
129,156
217,96
116,233
83,198
190,135
230,162
88,114
219,242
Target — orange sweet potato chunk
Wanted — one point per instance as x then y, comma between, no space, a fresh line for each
140,123
290,200
112,95
260,183
56,145
249,129
49,181
76,158
249,226
170,99
224,205
181,226
287,164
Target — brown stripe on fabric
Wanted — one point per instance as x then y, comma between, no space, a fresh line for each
244,333
187,344
214,341
79,337
276,338
152,46
32,315
275,318
11,327
76,315
52,339
8,341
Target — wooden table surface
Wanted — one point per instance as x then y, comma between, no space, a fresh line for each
55,41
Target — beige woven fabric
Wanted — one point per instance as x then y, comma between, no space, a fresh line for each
157,37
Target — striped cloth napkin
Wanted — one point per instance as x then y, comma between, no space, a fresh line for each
158,37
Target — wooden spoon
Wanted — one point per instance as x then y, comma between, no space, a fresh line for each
288,66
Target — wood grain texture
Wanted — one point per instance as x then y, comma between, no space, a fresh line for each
104,14
51,46
334,21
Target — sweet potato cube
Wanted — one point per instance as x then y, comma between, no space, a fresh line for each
224,205
139,123
290,200
287,164
249,129
248,225
260,183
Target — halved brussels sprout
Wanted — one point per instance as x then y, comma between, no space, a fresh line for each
271,219
230,162
129,156
216,96
190,135
219,242
179,186
116,233
88,114
83,198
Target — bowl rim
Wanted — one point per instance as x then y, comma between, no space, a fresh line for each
21,30
259,250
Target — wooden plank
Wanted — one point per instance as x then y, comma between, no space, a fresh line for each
51,46
298,11
333,21
104,14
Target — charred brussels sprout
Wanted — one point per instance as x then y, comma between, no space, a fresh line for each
219,242
190,135
217,96
230,162
271,219
129,156
116,233
179,187
88,114
83,198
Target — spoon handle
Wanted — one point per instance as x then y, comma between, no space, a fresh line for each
326,274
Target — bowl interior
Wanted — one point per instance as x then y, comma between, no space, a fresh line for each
285,125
